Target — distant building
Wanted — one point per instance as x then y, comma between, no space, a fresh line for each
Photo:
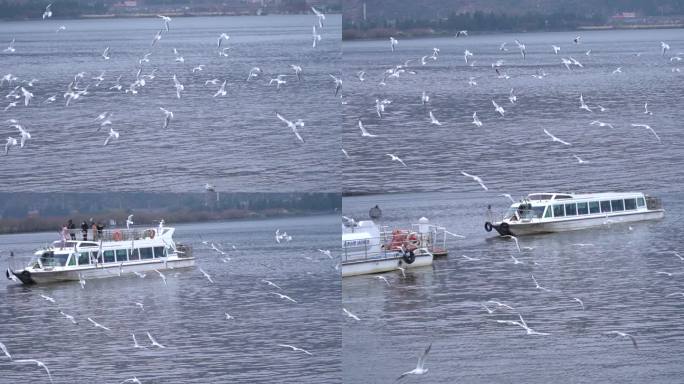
126,4
624,15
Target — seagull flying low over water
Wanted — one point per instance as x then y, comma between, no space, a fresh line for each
316,37
365,133
206,275
646,111
476,178
223,36
554,138
292,125
664,47
10,48
433,119
271,283
98,325
105,54
584,105
295,349
579,159
48,12
222,90
166,21
349,314
168,115
319,15
601,124
112,135
68,317
38,363
648,127
523,325
153,341
338,84
393,43
129,221
521,47
420,367
476,120
498,108
626,335
396,158
284,297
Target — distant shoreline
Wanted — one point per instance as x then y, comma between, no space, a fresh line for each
143,15
350,34
53,224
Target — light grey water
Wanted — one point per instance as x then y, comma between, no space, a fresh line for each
234,142
188,316
512,151
616,278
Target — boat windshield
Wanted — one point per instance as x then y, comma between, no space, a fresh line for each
524,212
50,259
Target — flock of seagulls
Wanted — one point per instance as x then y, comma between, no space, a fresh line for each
414,66
80,88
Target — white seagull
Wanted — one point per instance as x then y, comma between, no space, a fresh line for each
112,135
98,325
648,127
105,54
295,349
48,12
38,363
396,158
498,108
153,341
476,178
365,133
393,43
420,367
349,314
476,120
285,297
554,138
434,120
168,115
623,334
206,275
292,125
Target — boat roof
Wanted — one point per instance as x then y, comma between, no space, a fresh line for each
542,196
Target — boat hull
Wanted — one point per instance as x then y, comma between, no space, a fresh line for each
574,224
380,265
101,271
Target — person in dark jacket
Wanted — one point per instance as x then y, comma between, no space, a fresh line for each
84,230
72,229
99,227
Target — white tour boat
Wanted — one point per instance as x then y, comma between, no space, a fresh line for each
115,252
556,212
369,249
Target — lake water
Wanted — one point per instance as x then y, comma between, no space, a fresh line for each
512,152
613,270
234,142
188,316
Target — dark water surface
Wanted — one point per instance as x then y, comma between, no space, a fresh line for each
613,270
513,151
234,142
188,316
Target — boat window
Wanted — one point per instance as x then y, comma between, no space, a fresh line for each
511,213
159,252
50,259
560,197
133,254
617,205
630,204
571,209
594,207
146,253
641,202
582,208
548,212
121,255
108,256
538,211
72,259
88,245
558,210
84,258
605,206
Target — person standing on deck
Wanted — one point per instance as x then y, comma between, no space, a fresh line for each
72,229
84,230
93,227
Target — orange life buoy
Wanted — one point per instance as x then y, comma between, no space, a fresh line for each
117,236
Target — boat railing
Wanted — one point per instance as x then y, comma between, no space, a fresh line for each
120,234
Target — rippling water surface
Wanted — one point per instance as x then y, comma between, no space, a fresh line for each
234,142
512,151
188,316
613,270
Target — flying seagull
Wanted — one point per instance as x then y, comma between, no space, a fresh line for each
476,178
554,138
396,158
648,127
292,125
420,367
